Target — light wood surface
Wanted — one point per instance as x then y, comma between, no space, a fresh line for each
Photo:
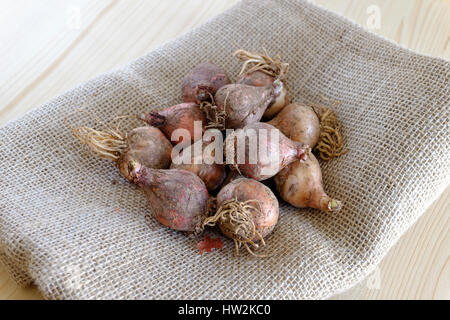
50,46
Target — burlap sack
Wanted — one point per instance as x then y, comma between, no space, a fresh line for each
66,226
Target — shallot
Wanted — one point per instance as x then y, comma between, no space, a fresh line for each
261,70
202,82
202,164
300,184
178,198
299,123
253,152
247,213
243,104
182,116
146,145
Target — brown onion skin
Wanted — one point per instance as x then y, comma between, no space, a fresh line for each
231,176
243,189
212,175
262,79
299,123
181,116
289,151
257,79
148,146
234,175
300,184
178,198
202,82
244,104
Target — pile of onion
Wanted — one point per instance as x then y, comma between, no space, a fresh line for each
171,159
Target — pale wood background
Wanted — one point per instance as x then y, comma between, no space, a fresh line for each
50,46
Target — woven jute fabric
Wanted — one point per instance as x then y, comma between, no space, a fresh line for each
73,226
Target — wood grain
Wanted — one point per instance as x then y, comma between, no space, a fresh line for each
50,46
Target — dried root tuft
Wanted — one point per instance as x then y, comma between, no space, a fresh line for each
108,143
274,67
330,143
236,217
216,118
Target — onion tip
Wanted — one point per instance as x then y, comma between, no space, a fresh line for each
334,205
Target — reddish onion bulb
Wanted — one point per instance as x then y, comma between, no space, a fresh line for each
243,104
181,116
279,154
178,198
261,79
260,69
202,83
247,212
146,145
202,164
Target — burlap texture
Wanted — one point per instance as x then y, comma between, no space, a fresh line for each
66,226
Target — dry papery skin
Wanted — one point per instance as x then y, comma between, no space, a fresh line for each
181,116
261,79
265,167
203,165
146,145
272,66
300,184
244,104
202,82
208,244
261,70
234,174
231,176
247,212
299,123
178,198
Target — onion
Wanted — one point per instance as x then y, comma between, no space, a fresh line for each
247,213
182,116
300,184
278,154
178,198
203,82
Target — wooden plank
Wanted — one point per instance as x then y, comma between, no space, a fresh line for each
33,49
137,27
48,48
10,291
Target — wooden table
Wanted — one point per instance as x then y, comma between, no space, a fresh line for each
49,46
